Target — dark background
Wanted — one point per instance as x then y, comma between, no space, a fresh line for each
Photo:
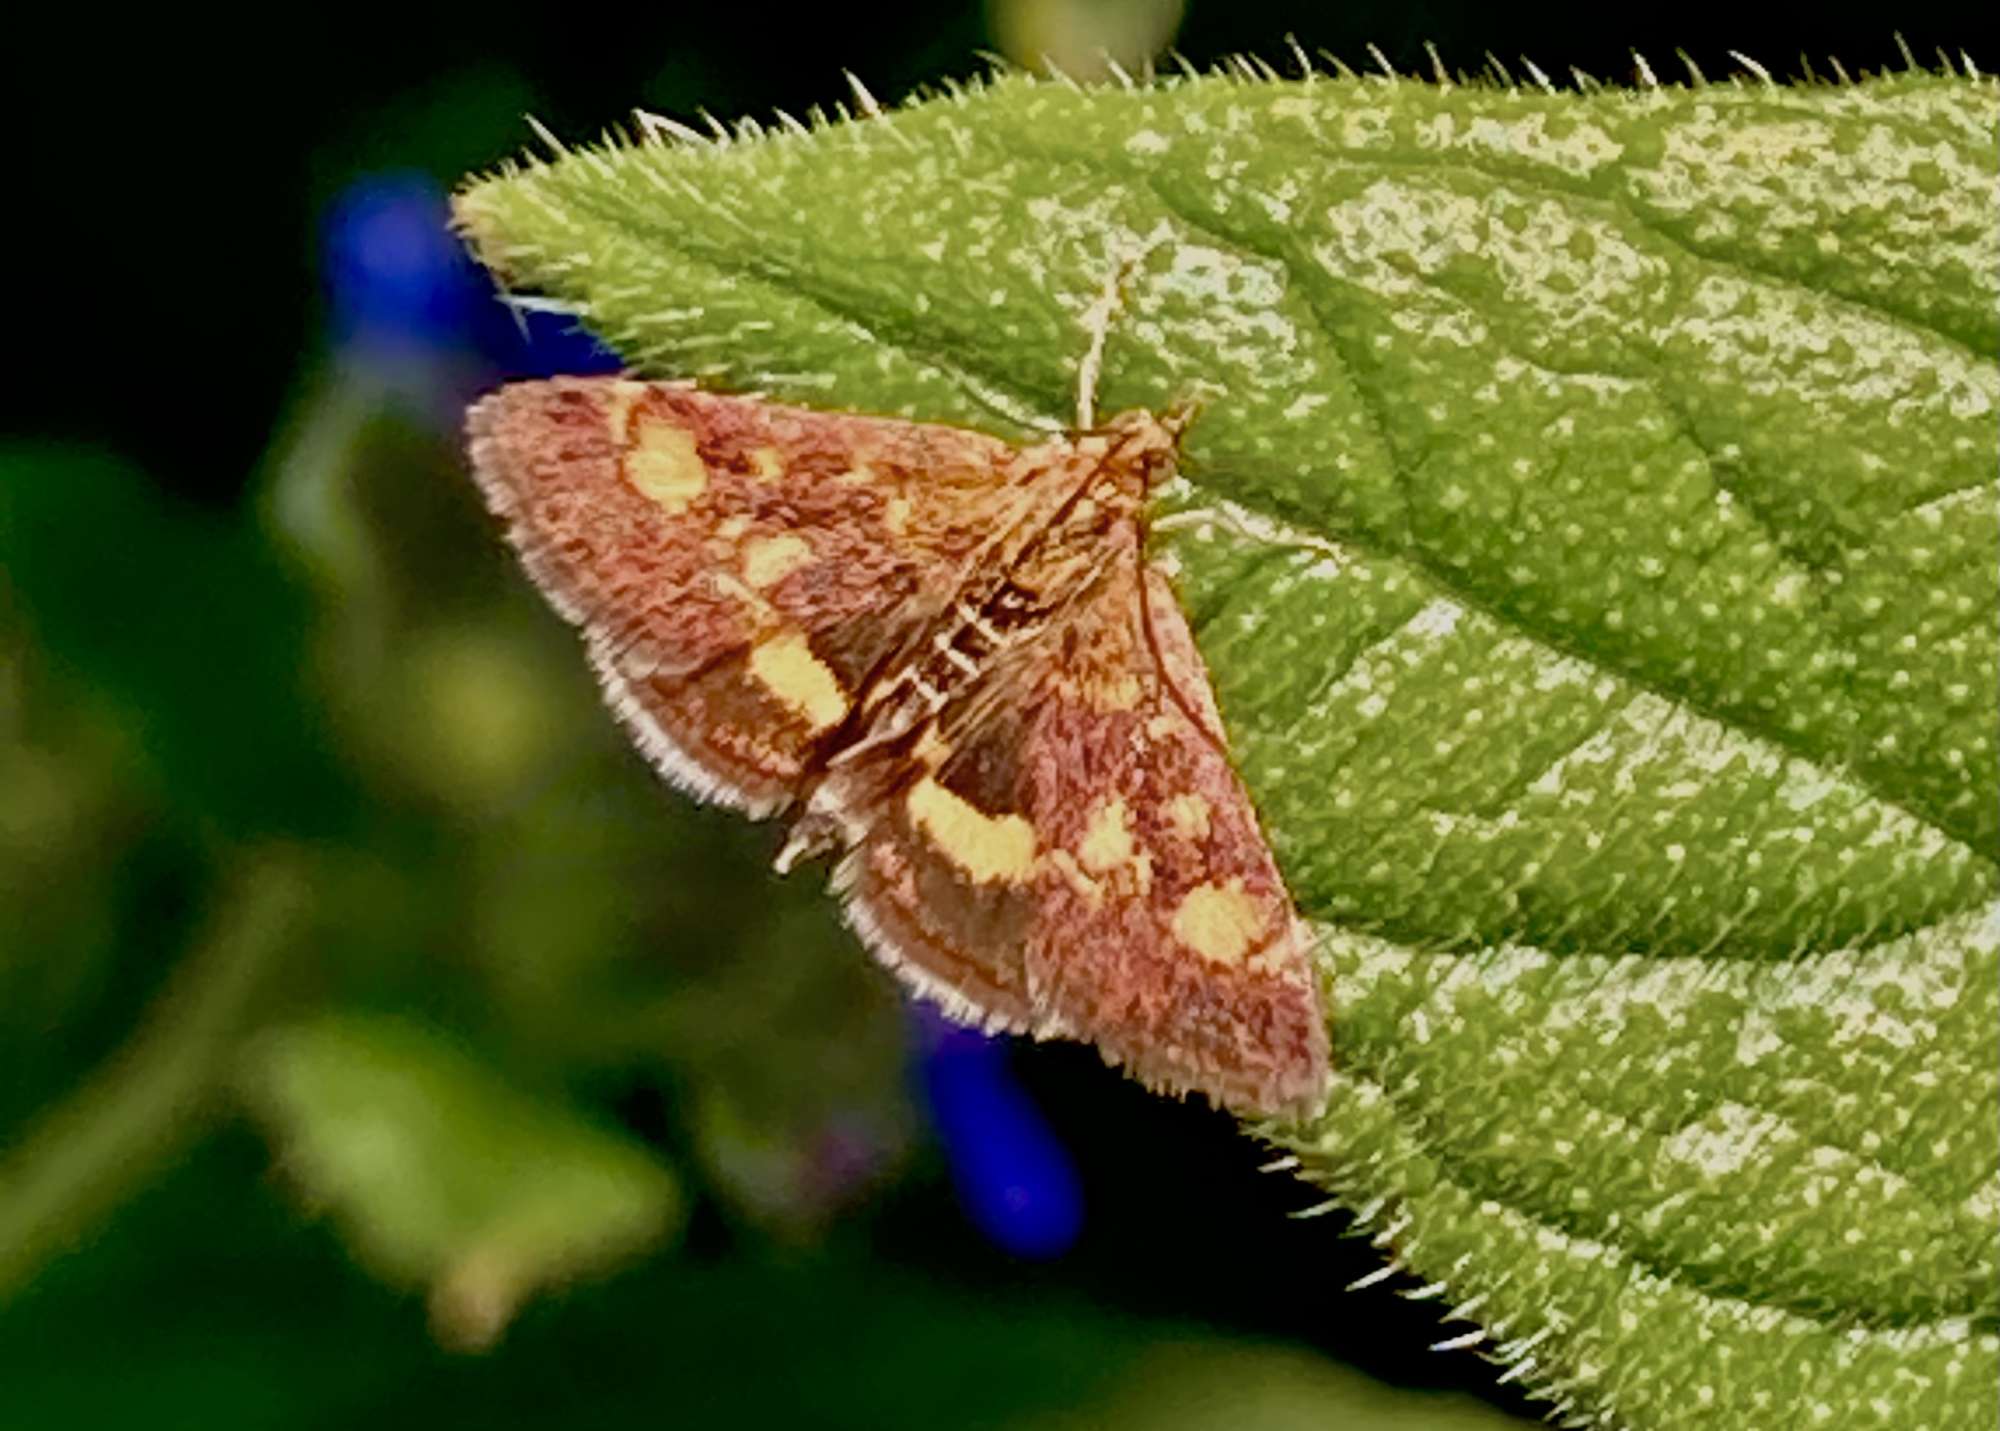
178,164
169,317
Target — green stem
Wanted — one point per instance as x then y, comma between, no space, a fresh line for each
85,1155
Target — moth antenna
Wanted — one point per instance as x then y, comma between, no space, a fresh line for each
1097,320
1250,526
1097,323
1189,708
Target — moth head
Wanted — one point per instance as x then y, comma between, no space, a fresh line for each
1148,444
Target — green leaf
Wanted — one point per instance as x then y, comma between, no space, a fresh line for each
444,1176
1589,524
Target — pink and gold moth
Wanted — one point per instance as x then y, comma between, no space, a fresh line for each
950,663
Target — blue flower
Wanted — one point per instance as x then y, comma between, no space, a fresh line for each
403,296
1015,1179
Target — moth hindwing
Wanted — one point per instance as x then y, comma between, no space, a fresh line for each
949,661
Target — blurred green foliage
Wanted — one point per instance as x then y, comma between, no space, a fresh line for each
208,1306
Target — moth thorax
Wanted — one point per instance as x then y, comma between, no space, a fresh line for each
1145,446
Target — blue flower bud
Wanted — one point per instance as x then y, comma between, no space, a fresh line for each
1015,1179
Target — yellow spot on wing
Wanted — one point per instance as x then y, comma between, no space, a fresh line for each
1219,922
1120,692
987,847
767,463
1107,842
769,560
787,668
664,465
1189,815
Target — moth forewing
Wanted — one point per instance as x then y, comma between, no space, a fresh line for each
947,657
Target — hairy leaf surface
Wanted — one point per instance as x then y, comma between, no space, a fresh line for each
1590,523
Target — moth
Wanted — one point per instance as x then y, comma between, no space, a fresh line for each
948,661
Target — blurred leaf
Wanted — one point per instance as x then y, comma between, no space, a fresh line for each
205,1303
1199,1385
480,715
184,623
203,1307
1084,39
83,1156
66,826
1590,530
440,1174
421,655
